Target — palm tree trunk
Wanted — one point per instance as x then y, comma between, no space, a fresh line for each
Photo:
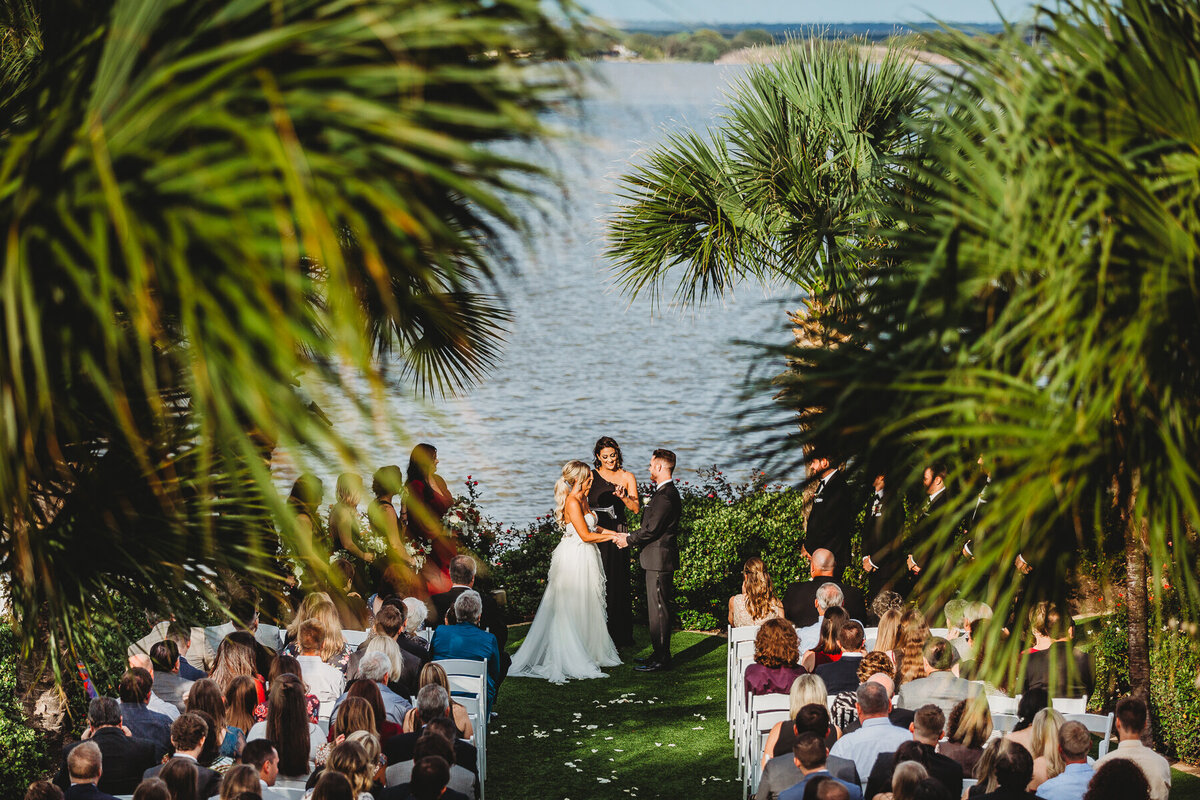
1136,593
43,703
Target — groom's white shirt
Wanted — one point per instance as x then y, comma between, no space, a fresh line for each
658,486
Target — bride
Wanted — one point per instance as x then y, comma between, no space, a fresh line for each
569,636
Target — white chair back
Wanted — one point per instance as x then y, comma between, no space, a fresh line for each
1099,724
1000,704
1069,705
354,638
942,632
1003,723
468,679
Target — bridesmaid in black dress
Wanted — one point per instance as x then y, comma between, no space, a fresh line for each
613,491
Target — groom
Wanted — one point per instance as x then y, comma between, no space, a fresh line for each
660,555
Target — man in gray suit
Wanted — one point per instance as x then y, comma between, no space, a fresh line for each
940,686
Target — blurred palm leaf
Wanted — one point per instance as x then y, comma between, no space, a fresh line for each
206,199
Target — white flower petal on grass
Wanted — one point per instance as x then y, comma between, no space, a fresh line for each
603,780
608,738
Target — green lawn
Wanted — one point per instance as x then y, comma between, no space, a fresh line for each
1184,786
629,735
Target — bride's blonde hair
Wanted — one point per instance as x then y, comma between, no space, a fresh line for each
573,473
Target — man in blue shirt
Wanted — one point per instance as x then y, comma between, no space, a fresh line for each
810,754
877,734
467,640
1074,742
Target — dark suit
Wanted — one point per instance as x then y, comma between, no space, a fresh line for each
945,771
1071,675
840,675
125,758
798,600
86,791
400,748
149,725
491,620
830,521
660,558
208,782
883,544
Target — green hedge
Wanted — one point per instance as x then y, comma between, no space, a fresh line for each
25,752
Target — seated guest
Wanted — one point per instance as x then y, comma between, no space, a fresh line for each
798,599
1054,664
1131,721
322,680
1027,708
1074,742
975,616
415,614
181,778
466,639
84,768
432,743
125,757
907,776
156,704
926,727
826,650
237,656
319,607
1012,772
968,728
430,781
403,668
156,789
239,782
842,675
939,686
1047,761
1119,779
757,602
369,691
375,668
887,636
188,734
143,723
350,758
462,576
288,727
205,698
287,665
241,698
261,755
433,673
390,624
43,790
354,714
806,690
331,786
776,659
876,736
829,595
842,707
243,616
168,683
810,754
913,636
780,772
433,703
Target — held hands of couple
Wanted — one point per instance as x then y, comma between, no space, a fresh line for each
620,539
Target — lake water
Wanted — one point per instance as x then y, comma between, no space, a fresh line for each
581,359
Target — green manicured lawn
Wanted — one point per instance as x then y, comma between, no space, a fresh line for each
1184,786
629,735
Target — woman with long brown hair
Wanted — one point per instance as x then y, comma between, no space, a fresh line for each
757,602
613,495
828,649
914,633
367,690
426,501
240,700
296,739
776,659
205,696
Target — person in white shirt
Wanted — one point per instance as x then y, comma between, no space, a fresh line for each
324,681
1131,721
877,734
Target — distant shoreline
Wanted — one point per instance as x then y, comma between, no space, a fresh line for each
872,52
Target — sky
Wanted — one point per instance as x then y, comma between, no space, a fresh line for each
804,11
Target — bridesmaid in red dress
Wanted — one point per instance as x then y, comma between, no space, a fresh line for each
426,501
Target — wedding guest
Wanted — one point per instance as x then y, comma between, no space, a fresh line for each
241,698
235,658
134,691
876,736
780,772
332,786
390,623
243,621
1054,664
887,635
370,691
156,704
810,754
827,650
125,757
430,781
404,669
1027,708
426,501
433,673
1074,742
433,703
806,690
462,576
319,607
927,726
83,771
1047,760
886,601
351,759
1131,721
238,781
842,674
376,668
967,730
1118,780
188,735
940,685
1012,771
167,682
287,726
467,640
905,780
354,714
757,602
206,697
326,682
798,599
287,665
828,596
44,790
871,665
613,494
261,755
776,659
914,633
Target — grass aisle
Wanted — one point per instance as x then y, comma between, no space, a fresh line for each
628,735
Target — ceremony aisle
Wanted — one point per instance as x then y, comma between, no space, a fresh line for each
628,735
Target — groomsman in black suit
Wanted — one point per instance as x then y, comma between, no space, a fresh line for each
660,555
883,560
934,481
829,522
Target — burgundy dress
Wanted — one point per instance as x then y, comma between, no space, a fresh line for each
426,507
771,680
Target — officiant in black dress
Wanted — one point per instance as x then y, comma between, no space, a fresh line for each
613,493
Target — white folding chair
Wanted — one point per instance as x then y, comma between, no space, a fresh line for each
759,709
1003,723
468,678
764,721
1099,724
942,632
1069,705
354,638
734,635
743,656
869,637
967,784
1000,704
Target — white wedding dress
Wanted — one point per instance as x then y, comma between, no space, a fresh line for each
569,636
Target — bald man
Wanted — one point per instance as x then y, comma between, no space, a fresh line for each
799,602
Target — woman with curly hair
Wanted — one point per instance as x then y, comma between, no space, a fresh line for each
842,711
828,649
776,659
806,690
914,633
968,728
757,603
